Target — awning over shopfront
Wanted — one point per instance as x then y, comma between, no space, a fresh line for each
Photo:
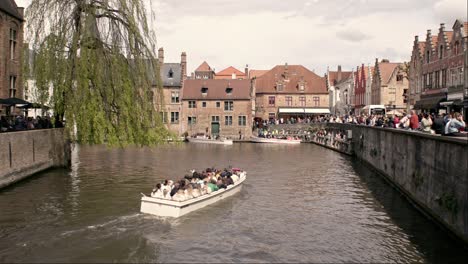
307,110
429,103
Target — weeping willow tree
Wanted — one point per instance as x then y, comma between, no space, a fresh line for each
98,55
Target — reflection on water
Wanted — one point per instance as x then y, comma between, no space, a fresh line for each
299,204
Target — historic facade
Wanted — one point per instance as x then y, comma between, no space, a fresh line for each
437,73
217,107
11,50
337,83
360,85
389,84
290,91
172,76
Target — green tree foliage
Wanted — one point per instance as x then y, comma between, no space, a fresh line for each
98,55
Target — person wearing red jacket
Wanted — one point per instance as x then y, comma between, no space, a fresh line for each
414,120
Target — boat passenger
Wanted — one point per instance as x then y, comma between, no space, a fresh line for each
175,189
235,178
179,196
212,186
157,192
196,191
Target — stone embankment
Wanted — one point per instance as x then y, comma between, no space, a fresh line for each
25,153
430,170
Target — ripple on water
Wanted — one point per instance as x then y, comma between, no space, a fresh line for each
299,204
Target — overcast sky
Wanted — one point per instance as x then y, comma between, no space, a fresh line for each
314,33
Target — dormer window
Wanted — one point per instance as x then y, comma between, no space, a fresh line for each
279,87
301,86
204,90
229,90
171,74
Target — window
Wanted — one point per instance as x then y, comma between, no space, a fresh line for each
163,117
317,100
12,43
228,120
215,119
456,48
301,87
242,120
289,100
174,97
229,91
271,115
204,90
228,105
444,78
441,52
12,86
436,82
192,104
174,117
203,104
271,100
170,74
192,120
399,78
427,56
460,75
453,74
279,87
429,83
218,104
302,101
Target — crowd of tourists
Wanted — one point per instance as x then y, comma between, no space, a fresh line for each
443,124
196,184
276,133
21,123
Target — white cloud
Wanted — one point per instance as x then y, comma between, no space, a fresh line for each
317,34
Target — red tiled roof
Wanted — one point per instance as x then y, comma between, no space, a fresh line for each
229,71
333,76
422,47
204,67
314,83
256,73
386,70
449,35
434,41
216,89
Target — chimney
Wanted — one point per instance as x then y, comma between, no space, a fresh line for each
428,32
385,61
338,78
161,56
21,11
416,38
442,27
246,71
183,65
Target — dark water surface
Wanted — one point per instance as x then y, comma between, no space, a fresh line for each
299,204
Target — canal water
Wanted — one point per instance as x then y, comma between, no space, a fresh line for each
299,204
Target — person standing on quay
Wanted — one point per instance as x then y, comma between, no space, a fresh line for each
414,121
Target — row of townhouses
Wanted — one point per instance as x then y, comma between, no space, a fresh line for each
226,103
438,71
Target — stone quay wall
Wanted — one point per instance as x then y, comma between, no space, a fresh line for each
25,153
430,170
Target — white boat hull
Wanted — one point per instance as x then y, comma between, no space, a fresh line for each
169,208
275,141
211,141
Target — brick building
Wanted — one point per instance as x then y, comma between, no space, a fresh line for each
232,73
290,91
172,77
437,77
204,71
11,49
361,77
389,84
337,83
217,107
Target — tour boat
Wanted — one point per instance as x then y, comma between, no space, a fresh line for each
165,207
275,140
211,141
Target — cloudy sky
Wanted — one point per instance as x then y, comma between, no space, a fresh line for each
314,33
